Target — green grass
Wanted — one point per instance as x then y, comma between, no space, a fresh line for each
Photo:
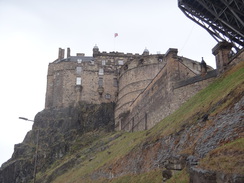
154,176
116,149
202,102
179,177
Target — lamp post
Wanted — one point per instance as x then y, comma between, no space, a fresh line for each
26,119
37,144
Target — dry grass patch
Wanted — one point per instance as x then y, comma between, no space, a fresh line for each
228,158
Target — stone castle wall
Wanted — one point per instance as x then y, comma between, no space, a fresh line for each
115,84
166,92
62,89
138,74
134,77
145,88
98,75
176,82
98,82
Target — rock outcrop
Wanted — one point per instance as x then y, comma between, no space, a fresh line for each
52,137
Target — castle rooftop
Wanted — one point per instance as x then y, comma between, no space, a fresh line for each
78,58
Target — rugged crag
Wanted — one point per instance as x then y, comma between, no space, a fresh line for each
54,132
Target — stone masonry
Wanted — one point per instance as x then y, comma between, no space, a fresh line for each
164,94
145,88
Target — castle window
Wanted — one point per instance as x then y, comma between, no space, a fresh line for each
120,62
78,70
103,62
107,96
78,81
115,82
100,82
101,72
79,60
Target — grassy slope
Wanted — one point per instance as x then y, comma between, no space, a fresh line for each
122,143
227,158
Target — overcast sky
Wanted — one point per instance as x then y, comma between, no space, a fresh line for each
31,31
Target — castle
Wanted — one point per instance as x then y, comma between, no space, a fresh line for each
145,87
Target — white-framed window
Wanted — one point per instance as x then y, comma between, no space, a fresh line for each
78,81
78,70
103,62
100,82
101,72
79,60
121,62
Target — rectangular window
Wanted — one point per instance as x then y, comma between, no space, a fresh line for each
120,62
115,82
107,96
103,62
100,82
78,81
79,60
101,72
78,70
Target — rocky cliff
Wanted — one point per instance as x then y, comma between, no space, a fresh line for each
202,142
53,136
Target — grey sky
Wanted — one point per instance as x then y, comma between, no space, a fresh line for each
31,31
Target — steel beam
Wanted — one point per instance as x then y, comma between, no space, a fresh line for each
223,19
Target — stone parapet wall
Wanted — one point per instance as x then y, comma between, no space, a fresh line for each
195,79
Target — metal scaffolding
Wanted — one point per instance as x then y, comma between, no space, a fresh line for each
223,19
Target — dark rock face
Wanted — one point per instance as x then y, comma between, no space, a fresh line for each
198,175
167,174
17,171
202,176
53,133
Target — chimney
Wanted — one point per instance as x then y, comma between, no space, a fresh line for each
60,54
68,52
